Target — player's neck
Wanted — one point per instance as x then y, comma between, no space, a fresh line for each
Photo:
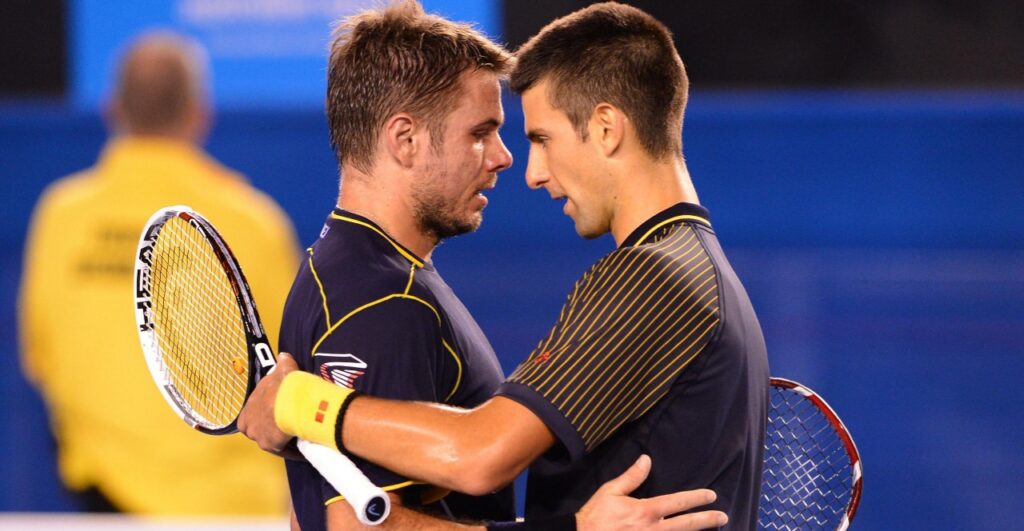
372,199
648,187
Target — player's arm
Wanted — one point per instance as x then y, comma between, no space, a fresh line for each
610,508
486,447
474,451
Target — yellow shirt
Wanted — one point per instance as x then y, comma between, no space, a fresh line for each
81,349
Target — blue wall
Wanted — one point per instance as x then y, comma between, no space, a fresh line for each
879,235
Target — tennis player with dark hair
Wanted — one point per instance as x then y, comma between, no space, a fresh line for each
657,351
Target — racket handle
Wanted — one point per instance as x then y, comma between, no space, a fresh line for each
371,504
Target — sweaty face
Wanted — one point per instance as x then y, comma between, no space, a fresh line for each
567,167
447,195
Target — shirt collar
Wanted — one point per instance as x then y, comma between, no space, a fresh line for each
344,216
677,213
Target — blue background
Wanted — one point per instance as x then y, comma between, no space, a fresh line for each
879,233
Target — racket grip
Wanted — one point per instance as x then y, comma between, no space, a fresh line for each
370,503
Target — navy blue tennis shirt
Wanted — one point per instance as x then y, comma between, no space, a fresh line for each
657,351
366,313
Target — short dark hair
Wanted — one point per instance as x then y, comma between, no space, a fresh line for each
612,53
398,59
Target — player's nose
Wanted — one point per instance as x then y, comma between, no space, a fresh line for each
500,158
537,174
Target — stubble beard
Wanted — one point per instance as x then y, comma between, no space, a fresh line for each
435,216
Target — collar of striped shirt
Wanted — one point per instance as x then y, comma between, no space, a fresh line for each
677,213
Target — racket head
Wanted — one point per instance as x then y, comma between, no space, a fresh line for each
812,472
201,334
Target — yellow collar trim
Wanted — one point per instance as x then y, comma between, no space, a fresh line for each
408,256
670,220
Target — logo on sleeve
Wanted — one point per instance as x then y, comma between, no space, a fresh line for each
342,369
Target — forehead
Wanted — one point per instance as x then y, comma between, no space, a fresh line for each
537,109
479,97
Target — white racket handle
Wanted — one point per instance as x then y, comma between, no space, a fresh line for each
370,502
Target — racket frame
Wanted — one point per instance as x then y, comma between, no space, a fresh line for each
260,356
371,504
844,435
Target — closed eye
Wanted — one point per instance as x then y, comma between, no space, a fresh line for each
484,129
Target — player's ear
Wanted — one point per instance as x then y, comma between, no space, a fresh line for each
400,138
607,127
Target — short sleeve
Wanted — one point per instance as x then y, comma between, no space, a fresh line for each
628,329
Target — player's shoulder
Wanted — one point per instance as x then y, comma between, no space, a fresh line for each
677,254
352,272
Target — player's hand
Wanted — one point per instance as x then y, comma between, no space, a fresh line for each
257,418
612,508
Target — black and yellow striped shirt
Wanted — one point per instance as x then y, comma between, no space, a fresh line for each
631,350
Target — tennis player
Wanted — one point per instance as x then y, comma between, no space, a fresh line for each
413,107
657,350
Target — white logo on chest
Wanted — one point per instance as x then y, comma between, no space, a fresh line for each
343,369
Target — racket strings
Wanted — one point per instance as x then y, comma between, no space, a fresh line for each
808,476
199,330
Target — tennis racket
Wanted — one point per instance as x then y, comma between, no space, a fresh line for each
205,345
812,470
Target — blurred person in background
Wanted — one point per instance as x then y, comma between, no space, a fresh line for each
120,448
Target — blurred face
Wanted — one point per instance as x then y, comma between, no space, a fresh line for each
448,195
567,167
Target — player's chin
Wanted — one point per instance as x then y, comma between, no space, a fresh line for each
474,220
588,231
474,214
467,223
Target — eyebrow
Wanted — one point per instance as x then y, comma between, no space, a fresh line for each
487,124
